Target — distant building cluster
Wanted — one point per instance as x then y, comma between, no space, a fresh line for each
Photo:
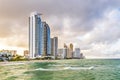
69,53
42,45
8,52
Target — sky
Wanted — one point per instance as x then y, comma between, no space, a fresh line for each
92,25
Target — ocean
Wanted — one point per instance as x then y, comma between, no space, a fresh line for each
79,69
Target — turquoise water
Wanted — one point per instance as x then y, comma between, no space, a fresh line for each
107,69
103,69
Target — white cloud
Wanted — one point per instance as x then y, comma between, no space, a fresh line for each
105,37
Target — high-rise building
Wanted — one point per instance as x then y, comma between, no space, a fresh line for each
66,51
70,55
46,39
77,53
39,36
71,46
35,35
54,47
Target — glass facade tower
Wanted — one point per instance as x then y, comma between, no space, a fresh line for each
39,37
35,35
46,39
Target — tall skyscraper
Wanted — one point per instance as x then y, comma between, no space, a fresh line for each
46,39
54,47
35,35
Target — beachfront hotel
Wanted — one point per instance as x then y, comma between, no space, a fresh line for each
35,35
39,36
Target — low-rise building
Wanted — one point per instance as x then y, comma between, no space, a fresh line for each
26,53
61,53
12,52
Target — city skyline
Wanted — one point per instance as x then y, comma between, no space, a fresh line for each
93,28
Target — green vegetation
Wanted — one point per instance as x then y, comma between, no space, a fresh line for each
18,58
104,70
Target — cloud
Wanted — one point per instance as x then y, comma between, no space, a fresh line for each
105,37
106,29
82,22
104,50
